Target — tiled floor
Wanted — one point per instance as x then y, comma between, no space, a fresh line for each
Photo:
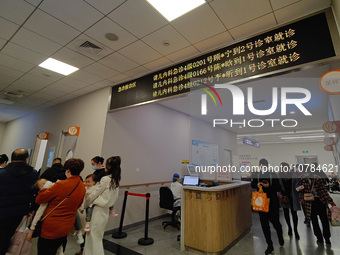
165,241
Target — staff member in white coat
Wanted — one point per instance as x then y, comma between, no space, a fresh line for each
103,197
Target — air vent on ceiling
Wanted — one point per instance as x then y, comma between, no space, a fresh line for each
12,94
90,47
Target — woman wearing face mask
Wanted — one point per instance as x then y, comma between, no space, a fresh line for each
97,165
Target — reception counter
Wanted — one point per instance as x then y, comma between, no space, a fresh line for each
213,218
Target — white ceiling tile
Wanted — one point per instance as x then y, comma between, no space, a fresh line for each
158,64
2,42
33,81
50,27
214,42
277,4
195,28
51,92
62,87
138,17
105,26
85,77
105,6
33,2
168,33
46,74
74,83
100,70
183,54
7,28
234,13
16,11
120,78
299,10
23,89
75,13
138,72
35,42
91,52
19,52
118,62
103,84
72,58
4,70
3,85
7,79
140,52
255,26
39,98
15,63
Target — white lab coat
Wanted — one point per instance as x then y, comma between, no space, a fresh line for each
102,198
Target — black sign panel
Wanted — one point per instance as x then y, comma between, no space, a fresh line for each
295,44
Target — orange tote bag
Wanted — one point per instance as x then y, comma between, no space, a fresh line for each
260,201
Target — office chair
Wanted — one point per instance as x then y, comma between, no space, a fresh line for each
166,201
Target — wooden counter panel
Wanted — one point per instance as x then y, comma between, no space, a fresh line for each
213,220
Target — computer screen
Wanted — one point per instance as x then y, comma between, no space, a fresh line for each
191,180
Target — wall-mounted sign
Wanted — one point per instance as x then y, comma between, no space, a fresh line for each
331,126
295,44
328,148
251,142
43,135
329,140
330,82
185,161
73,130
304,151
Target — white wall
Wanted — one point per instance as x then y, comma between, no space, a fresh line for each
88,112
336,11
277,153
2,133
154,139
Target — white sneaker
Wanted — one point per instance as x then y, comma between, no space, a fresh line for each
80,238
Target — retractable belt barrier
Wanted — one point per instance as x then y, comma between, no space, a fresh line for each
119,234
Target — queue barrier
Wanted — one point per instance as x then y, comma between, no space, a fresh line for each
120,234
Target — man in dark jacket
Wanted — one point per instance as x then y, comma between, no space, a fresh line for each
56,172
16,195
270,185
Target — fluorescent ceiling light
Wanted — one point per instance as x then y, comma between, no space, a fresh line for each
58,66
172,9
301,137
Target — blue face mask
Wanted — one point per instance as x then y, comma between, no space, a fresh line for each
94,167
180,179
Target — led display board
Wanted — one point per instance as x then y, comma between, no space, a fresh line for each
298,43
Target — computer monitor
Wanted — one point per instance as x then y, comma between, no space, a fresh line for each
191,170
190,180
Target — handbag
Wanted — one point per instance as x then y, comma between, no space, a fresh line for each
308,197
260,201
37,229
20,246
335,216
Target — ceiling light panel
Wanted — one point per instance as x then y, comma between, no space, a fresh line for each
58,66
170,8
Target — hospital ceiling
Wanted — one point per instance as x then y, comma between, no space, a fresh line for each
78,32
